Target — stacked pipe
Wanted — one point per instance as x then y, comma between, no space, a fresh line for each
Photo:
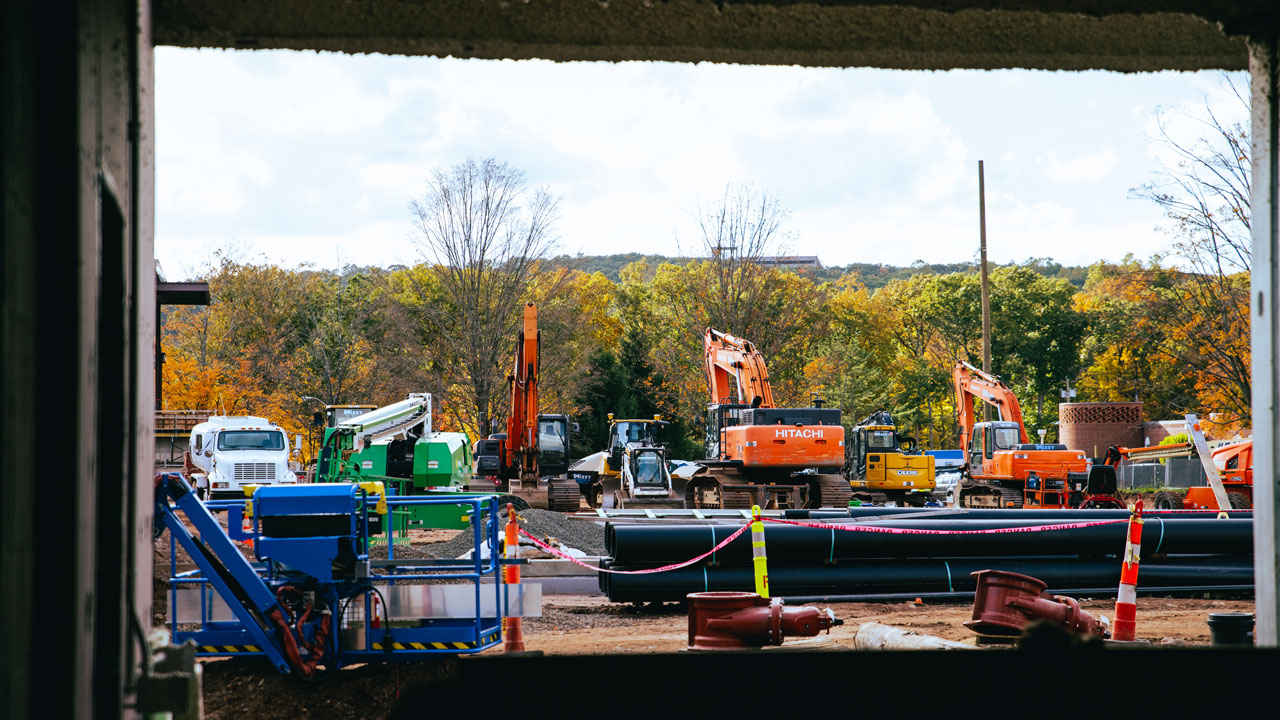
1181,552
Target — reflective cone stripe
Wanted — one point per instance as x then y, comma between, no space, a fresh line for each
758,559
1126,621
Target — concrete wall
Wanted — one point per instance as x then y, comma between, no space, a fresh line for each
76,306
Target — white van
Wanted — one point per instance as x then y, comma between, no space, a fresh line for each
229,452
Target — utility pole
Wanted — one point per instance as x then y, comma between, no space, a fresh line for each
986,293
986,296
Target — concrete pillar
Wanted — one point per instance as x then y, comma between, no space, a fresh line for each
1265,102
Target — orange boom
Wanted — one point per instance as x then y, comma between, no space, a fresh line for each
759,454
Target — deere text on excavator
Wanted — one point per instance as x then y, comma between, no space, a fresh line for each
885,466
1003,469
760,454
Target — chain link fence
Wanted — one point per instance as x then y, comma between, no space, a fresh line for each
1172,473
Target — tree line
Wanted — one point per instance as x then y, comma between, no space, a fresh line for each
1137,330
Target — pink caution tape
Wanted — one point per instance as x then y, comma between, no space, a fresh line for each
821,526
664,568
915,531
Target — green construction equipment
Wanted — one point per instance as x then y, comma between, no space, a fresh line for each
396,445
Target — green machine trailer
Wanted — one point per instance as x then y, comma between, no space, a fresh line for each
396,445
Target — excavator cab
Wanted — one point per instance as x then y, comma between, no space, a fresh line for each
989,437
720,416
553,444
872,440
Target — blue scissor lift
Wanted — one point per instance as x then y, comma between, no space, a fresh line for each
307,599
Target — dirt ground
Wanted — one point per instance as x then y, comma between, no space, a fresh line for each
591,625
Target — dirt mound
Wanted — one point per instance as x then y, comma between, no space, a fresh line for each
251,688
583,535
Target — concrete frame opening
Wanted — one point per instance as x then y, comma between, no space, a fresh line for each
77,132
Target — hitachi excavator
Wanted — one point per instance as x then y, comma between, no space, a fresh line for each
760,454
1003,469
534,446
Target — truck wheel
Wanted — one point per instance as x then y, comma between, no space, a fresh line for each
1167,501
518,503
591,492
1239,501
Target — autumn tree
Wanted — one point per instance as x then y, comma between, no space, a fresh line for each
1201,286
484,233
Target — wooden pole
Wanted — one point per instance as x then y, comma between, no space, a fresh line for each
986,296
986,293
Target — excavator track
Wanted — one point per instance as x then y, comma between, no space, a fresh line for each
736,499
563,496
830,491
986,496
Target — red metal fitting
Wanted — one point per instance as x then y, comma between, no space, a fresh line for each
1004,603
736,620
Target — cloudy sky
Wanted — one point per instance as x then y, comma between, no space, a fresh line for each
312,158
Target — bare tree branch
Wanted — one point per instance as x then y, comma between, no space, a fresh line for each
484,234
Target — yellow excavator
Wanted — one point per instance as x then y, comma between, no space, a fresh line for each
883,466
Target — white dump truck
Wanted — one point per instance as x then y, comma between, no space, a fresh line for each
227,453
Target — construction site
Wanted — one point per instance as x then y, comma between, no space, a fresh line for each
407,547
792,556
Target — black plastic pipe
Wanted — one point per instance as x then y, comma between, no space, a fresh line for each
791,544
1178,591
881,577
993,514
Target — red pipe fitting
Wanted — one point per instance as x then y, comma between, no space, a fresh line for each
1004,603
736,620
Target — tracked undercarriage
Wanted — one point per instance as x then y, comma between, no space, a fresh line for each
729,490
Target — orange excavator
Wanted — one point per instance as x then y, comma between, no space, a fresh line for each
1004,470
534,446
760,454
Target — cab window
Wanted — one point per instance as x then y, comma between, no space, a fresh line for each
1007,438
880,440
250,440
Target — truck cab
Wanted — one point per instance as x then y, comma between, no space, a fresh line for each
228,453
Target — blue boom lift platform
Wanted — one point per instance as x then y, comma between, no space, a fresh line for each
312,599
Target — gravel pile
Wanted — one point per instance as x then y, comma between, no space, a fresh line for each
581,535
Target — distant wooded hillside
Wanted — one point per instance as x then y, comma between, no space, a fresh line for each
874,276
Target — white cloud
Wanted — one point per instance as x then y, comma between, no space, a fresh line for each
314,157
1089,168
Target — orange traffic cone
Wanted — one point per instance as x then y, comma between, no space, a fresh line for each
1126,622
247,528
514,626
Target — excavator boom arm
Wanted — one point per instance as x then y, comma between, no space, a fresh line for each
728,357
522,422
970,383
